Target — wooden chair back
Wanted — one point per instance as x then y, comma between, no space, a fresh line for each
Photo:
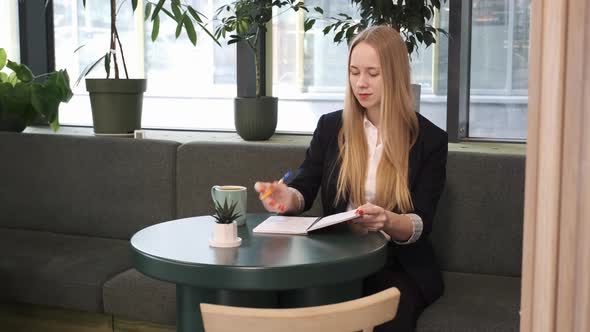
356,315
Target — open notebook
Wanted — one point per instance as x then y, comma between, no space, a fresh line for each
301,225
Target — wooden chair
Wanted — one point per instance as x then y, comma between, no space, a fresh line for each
360,314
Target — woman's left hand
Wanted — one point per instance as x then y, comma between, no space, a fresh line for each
373,217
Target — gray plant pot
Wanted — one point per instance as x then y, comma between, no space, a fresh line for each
417,89
116,105
10,121
255,118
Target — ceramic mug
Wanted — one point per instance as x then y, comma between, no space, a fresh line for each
232,194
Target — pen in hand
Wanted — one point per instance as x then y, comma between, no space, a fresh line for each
282,180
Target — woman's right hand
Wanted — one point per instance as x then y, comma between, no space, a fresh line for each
279,200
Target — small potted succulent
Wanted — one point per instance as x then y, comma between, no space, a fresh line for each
225,230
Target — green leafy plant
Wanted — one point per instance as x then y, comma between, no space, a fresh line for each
26,95
409,17
246,20
225,214
185,16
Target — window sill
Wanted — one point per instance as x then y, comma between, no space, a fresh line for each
517,149
281,139
179,136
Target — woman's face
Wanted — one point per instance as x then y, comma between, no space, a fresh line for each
365,76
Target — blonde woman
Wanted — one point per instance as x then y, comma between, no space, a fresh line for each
380,157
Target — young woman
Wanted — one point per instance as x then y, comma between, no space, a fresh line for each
380,157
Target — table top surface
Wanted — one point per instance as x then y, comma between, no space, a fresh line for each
179,251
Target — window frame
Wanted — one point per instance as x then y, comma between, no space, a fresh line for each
37,51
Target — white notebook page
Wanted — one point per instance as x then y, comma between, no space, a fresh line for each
334,219
285,225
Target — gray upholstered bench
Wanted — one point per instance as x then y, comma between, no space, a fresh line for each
478,241
68,206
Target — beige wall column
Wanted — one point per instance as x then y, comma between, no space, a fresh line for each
556,250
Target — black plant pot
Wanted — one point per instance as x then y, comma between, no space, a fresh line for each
116,105
255,118
10,121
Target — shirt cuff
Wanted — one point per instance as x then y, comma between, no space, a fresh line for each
300,199
417,226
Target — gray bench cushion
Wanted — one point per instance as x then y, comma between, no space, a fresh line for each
203,165
133,295
474,303
478,223
58,270
107,187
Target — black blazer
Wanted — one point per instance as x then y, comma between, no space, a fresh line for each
427,172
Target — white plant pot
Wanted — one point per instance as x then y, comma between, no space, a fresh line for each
225,236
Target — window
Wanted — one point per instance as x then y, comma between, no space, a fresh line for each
188,87
9,38
194,87
499,69
309,70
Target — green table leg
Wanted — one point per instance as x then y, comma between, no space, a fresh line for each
188,311
321,295
251,299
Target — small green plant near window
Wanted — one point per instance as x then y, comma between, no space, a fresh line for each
225,214
26,96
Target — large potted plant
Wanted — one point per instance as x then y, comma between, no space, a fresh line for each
410,18
245,21
117,103
24,96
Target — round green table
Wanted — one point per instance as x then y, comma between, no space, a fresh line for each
326,266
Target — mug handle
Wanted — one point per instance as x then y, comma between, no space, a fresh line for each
213,194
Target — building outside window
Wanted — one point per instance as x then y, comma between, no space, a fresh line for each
499,69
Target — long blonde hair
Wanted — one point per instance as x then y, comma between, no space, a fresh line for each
398,127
